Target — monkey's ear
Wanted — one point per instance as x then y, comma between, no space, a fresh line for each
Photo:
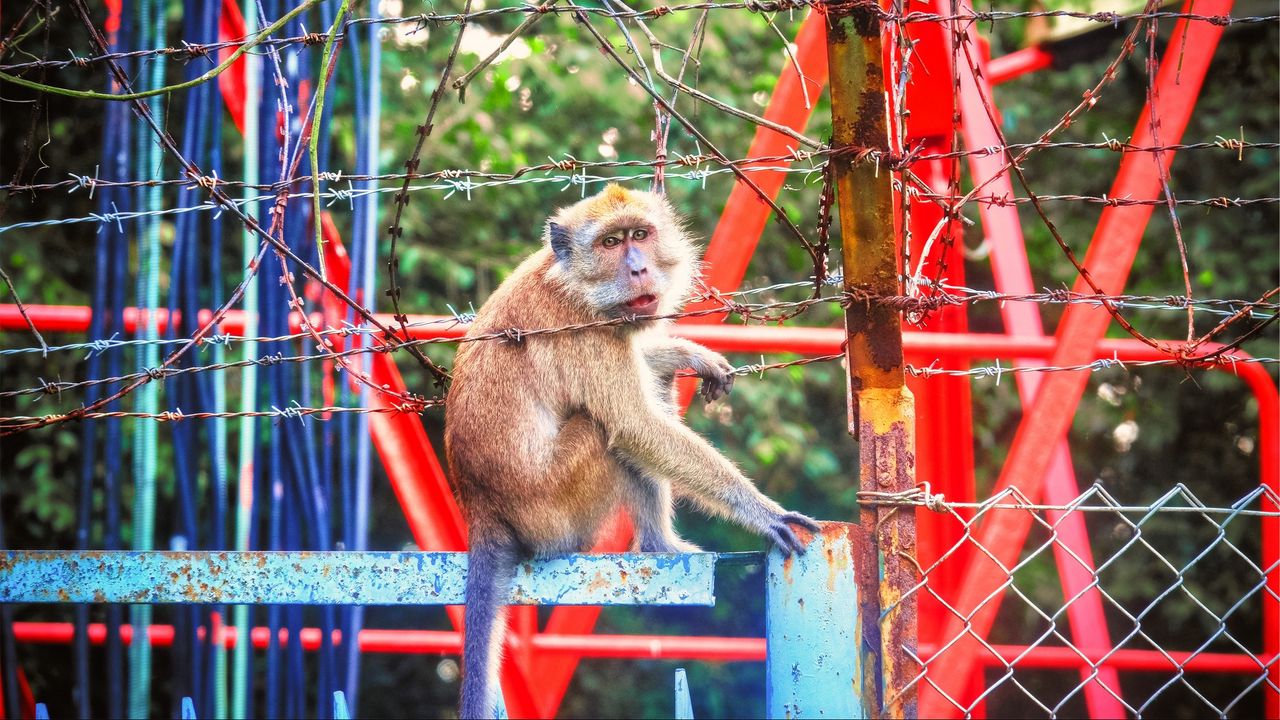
559,241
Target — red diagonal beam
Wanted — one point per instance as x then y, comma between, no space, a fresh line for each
1110,257
1012,273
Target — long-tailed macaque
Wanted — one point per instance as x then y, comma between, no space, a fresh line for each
546,435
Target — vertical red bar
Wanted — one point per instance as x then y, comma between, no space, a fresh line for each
1110,257
944,443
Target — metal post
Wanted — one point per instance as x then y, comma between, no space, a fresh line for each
814,666
684,702
882,410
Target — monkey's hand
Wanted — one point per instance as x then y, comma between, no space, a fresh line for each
784,536
716,373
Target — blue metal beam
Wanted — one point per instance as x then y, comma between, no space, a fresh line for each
344,578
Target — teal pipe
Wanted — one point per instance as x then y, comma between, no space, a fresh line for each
151,33
241,660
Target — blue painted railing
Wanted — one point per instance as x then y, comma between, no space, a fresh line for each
344,578
820,636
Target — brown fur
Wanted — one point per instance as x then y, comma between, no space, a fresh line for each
548,435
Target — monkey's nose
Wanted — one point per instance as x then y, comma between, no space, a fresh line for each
640,274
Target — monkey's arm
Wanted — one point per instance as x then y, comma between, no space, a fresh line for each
666,355
662,445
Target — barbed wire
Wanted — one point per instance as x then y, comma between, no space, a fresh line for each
187,52
727,305
464,185
85,181
417,405
461,187
1004,200
946,294
290,412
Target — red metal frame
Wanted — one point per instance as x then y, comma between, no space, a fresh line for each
920,347
652,647
1045,424
945,448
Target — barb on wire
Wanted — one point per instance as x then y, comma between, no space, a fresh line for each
295,411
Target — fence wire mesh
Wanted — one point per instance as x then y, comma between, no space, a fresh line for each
1182,585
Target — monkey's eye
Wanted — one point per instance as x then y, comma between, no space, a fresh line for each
639,233
611,241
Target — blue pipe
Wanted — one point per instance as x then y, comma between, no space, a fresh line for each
217,704
117,167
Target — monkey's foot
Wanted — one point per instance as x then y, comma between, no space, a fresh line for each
784,536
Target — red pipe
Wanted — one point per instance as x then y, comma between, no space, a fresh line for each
1018,63
657,647
749,339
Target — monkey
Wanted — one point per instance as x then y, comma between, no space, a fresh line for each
548,434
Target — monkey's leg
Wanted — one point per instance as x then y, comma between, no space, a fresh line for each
490,572
564,502
651,505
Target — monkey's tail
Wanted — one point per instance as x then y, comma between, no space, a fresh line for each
490,573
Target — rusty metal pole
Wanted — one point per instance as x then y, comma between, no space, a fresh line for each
881,408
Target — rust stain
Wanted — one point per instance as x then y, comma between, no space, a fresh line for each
831,569
866,20
868,129
598,584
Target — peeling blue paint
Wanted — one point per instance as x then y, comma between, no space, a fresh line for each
344,578
813,667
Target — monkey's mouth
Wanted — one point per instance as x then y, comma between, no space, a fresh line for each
643,305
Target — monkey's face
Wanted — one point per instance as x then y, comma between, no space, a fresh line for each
622,253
